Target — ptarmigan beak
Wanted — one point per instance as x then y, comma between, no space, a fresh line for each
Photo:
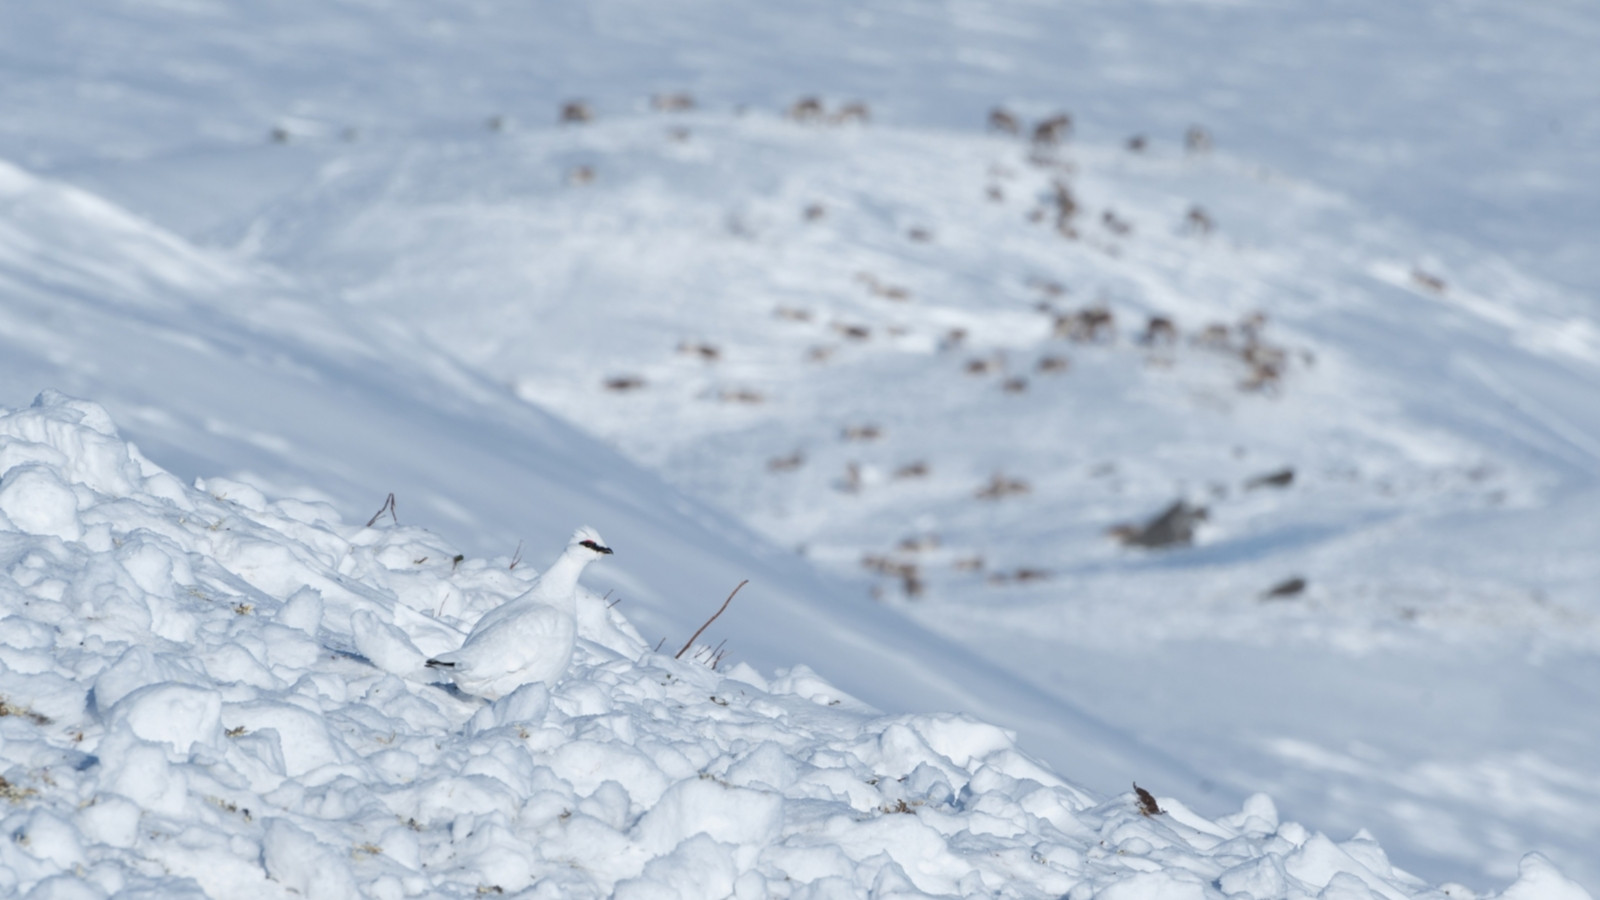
594,546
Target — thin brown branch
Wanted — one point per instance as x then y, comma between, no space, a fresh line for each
692,638
387,507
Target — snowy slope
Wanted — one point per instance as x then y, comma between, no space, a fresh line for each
224,368
210,693
1416,420
1405,190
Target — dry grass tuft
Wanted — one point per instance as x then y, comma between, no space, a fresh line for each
8,708
1147,802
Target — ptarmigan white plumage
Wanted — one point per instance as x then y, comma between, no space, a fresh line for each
527,640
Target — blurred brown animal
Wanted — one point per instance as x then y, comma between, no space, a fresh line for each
1427,282
707,352
786,463
1002,120
1090,324
918,469
853,112
681,101
1159,331
1053,130
1000,486
806,109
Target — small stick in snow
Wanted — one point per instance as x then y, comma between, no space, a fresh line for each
1147,802
387,507
516,558
679,654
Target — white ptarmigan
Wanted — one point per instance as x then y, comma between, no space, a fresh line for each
527,640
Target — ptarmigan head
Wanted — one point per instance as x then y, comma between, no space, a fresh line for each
588,540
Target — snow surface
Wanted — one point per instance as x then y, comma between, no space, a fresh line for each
344,308
186,714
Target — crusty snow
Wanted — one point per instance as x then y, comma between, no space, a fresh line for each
306,255
186,714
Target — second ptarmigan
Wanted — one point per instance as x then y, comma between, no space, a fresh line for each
528,640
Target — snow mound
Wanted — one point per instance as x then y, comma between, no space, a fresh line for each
208,692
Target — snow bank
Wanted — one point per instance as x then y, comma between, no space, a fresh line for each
207,692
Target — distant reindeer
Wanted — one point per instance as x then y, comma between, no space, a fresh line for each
1215,336
1000,486
576,112
1002,120
1053,130
806,109
855,112
1051,364
706,352
741,395
1159,331
918,469
1089,324
1428,282
1066,205
868,432
624,383
786,463
1115,224
676,102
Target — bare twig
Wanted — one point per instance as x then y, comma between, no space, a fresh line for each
679,654
516,558
387,507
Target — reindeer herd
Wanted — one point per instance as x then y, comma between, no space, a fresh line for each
1092,327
